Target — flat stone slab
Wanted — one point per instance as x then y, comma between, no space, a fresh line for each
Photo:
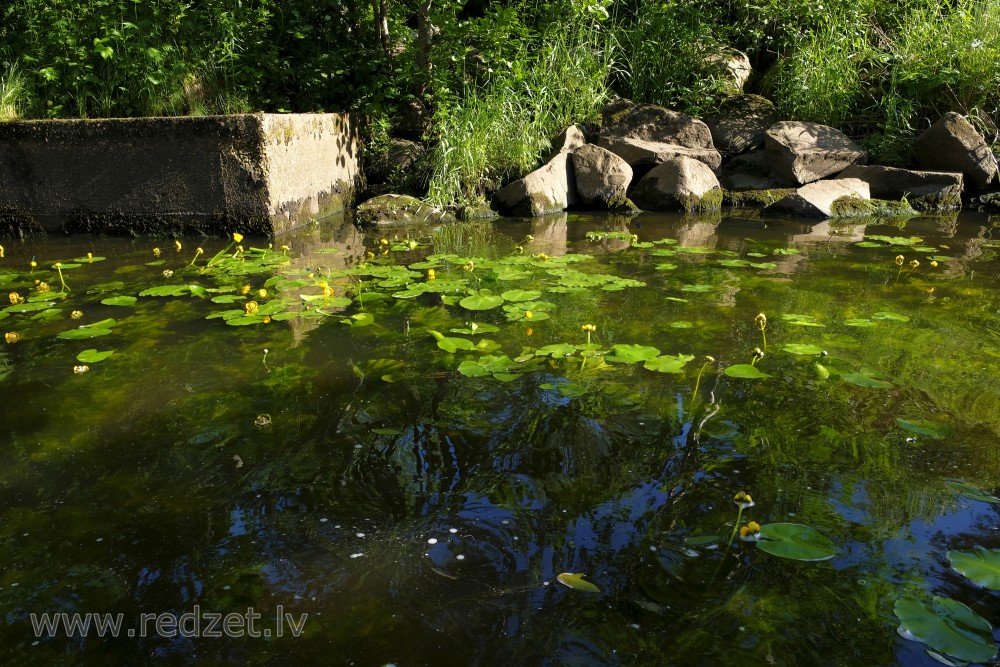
954,144
638,152
925,190
816,199
255,173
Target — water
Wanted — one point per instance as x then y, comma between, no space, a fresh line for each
339,466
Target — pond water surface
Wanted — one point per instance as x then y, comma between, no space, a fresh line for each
406,464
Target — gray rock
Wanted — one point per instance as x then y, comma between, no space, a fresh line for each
807,152
953,144
679,184
394,161
568,140
729,66
548,189
648,122
601,176
752,171
741,122
925,190
639,152
398,210
816,199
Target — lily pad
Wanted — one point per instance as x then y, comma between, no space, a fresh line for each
82,333
795,541
982,566
802,348
858,322
451,344
521,295
863,379
947,626
577,583
798,320
631,354
482,300
701,540
891,316
972,492
93,356
668,364
556,350
471,369
121,301
746,372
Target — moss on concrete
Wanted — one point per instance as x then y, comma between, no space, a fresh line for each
853,207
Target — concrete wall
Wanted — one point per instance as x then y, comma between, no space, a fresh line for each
257,173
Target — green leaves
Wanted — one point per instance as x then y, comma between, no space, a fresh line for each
925,428
119,301
102,328
802,348
795,541
865,378
577,582
947,626
982,566
668,364
481,300
631,354
972,492
93,356
745,372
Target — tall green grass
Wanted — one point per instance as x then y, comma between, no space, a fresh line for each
13,92
497,131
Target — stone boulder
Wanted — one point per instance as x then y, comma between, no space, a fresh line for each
398,210
394,161
601,176
568,140
678,184
953,144
752,171
639,152
816,199
925,190
741,122
807,152
648,122
728,66
549,189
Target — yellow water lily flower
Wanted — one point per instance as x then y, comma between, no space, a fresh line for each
167,273
80,370
156,252
899,260
750,531
743,498
76,314
431,275
245,289
528,314
760,320
42,287
914,263
328,292
237,237
11,337
589,327
934,262
34,264
16,298
251,307
177,246
1,251
469,266
262,293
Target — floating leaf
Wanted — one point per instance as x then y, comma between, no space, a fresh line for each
665,267
521,295
925,428
164,290
981,566
477,328
668,364
888,315
471,369
698,288
701,540
556,350
859,322
972,492
802,348
797,320
226,298
745,371
82,333
482,300
360,319
30,307
795,541
630,354
785,251
120,301
576,582
451,344
947,626
734,263
93,356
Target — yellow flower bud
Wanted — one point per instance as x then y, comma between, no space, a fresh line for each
80,370
156,252
11,337
528,314
237,237
16,298
262,293
250,307
899,260
934,262
167,273
431,275
245,289
177,246
914,263
76,314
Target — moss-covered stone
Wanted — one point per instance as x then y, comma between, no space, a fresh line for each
710,201
853,207
754,198
475,210
622,204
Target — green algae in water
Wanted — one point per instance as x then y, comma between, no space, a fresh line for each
331,456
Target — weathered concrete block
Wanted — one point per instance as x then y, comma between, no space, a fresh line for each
257,173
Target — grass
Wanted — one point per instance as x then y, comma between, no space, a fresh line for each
13,92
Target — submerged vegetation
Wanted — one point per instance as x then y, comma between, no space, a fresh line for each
428,424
